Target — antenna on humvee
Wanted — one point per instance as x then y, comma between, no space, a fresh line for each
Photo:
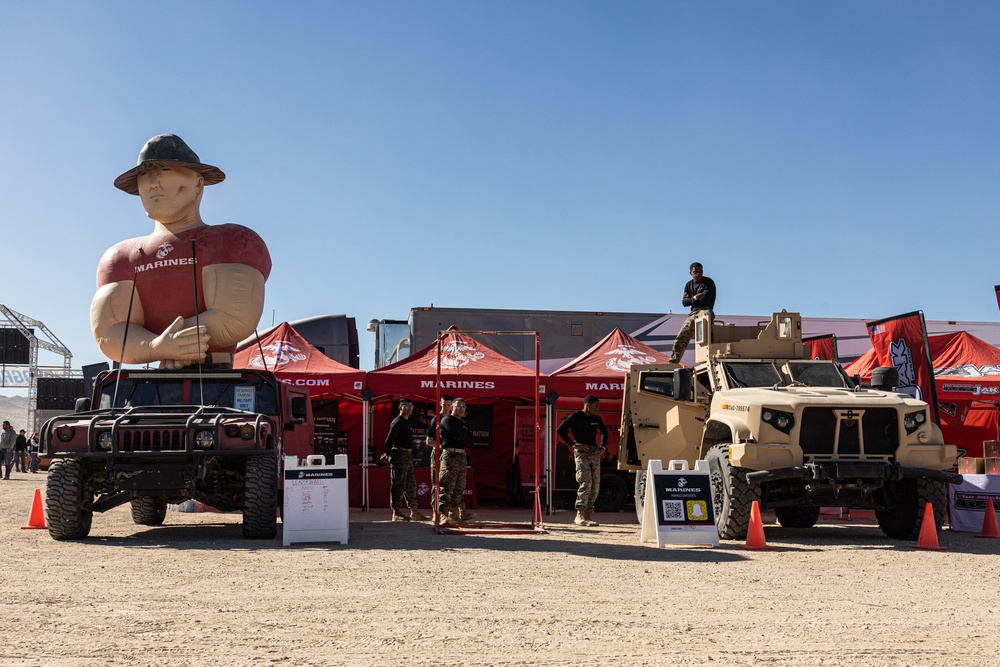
260,347
197,322
128,321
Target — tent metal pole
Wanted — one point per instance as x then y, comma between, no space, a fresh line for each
366,432
549,412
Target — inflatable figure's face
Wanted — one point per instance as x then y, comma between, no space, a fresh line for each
170,194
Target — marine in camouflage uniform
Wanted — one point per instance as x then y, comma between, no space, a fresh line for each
431,440
579,431
455,438
399,454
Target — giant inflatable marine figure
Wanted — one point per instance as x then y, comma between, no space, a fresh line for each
146,308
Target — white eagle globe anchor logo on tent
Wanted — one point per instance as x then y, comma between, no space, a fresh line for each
277,354
456,354
624,356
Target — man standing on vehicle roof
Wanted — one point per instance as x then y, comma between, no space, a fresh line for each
399,454
579,431
147,300
699,294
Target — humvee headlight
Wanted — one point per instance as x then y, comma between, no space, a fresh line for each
65,433
104,441
913,420
246,431
204,439
783,421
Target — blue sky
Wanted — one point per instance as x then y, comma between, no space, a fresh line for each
840,159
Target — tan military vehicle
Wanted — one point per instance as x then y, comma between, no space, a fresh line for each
793,433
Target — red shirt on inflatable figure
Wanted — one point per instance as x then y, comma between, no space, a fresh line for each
161,266
146,308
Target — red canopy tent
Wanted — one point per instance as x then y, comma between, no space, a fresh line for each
471,371
294,360
335,389
967,378
600,370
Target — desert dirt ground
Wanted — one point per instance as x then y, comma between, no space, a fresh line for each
194,592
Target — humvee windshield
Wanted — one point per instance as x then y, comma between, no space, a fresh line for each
244,394
783,374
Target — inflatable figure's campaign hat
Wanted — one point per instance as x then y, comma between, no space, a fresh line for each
167,150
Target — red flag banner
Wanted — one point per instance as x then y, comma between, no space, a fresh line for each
901,341
822,347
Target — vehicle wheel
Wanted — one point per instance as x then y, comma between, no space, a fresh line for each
65,500
909,498
149,511
613,493
797,517
640,492
734,495
260,497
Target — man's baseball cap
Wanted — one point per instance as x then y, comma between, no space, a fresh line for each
167,150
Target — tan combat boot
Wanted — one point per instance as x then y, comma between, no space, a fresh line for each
450,519
399,516
465,515
588,518
415,515
580,519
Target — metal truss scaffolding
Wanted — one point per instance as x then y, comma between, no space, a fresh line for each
39,337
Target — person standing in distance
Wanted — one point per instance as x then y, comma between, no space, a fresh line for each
699,294
399,454
455,439
7,439
20,452
445,410
33,453
579,431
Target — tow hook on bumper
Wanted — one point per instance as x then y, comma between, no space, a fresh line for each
851,470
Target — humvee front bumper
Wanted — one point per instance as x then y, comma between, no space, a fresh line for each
851,471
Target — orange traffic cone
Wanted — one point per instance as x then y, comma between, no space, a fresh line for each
37,517
990,521
755,534
928,532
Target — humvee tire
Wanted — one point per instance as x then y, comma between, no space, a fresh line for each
149,511
613,494
64,497
260,499
797,517
734,495
910,498
640,492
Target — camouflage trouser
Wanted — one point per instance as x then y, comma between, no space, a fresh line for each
403,482
588,476
434,477
453,473
686,333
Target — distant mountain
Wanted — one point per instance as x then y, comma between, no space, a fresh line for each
15,410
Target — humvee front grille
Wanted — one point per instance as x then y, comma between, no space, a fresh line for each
149,440
849,432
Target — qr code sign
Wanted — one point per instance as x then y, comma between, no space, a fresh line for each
673,510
